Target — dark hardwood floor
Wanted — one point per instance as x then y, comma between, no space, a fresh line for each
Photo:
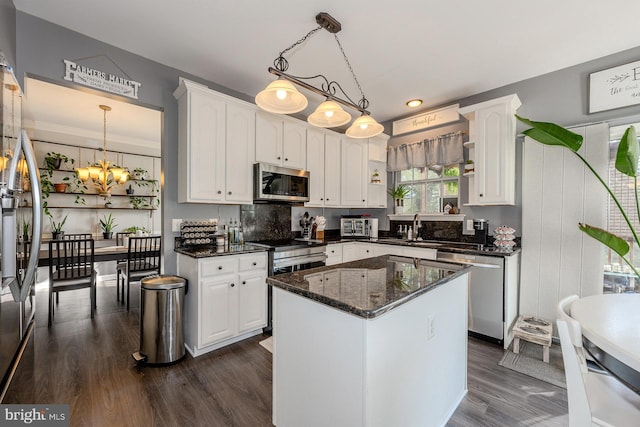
87,364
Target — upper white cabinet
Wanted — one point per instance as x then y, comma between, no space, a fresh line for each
216,141
492,139
355,172
323,164
280,141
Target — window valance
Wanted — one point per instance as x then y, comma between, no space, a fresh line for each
436,152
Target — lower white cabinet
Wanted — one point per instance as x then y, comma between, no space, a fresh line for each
334,253
353,251
227,299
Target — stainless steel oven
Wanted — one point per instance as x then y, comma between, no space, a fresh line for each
287,257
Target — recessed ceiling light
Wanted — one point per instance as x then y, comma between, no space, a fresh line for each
414,103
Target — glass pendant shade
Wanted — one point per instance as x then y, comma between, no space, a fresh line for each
281,97
124,177
117,173
94,171
329,114
364,127
83,173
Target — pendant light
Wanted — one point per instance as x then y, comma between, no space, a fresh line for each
364,126
281,97
329,114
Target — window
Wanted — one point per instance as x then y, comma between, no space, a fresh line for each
431,189
618,275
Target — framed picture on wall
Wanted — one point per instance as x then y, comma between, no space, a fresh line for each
614,87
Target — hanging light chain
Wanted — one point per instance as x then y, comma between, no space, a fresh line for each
280,62
364,103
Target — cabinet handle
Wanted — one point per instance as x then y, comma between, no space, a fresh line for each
321,198
219,267
286,160
367,252
244,282
219,192
327,199
278,157
333,252
481,194
255,263
363,200
233,284
229,192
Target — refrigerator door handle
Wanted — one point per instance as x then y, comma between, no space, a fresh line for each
34,173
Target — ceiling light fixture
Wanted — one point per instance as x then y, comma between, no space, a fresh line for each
414,103
103,176
281,96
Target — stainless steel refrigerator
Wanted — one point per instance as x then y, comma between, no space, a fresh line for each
20,201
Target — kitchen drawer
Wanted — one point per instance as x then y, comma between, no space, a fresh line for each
218,265
253,262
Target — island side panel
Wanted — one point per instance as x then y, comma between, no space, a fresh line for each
318,368
416,359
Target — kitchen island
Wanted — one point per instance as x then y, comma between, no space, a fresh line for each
376,342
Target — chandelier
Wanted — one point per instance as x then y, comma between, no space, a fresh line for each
103,176
282,97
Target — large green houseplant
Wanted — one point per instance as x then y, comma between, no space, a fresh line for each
626,163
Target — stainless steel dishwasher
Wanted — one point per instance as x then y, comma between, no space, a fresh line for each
486,293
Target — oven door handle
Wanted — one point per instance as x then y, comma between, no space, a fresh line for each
288,262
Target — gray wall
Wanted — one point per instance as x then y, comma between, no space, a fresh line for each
8,30
561,97
41,48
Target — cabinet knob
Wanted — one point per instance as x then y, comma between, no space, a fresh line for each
233,284
333,252
481,194
367,250
327,199
244,282
219,192
363,200
229,192
321,198
255,263
279,157
286,160
219,267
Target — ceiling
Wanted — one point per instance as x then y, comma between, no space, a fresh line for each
436,51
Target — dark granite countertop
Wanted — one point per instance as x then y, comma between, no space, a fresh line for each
211,251
370,287
440,245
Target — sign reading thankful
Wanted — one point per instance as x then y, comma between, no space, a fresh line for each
615,87
100,80
426,120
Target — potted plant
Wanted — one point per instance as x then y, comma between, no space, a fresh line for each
129,190
107,223
375,178
61,187
25,230
139,173
56,228
138,202
626,163
53,160
469,166
398,194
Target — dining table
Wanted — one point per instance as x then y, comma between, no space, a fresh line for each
101,253
611,333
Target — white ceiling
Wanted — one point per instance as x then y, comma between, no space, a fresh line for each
435,50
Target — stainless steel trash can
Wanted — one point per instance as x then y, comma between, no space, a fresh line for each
161,325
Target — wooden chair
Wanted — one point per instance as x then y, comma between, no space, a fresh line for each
143,259
71,266
77,236
594,398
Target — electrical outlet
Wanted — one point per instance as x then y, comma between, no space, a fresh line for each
175,225
430,328
469,225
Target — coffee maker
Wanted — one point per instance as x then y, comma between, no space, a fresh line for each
481,227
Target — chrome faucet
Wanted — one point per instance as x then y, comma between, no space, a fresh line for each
417,224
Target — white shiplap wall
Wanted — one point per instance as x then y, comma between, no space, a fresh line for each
558,192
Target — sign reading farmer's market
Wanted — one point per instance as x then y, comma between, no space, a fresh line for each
100,80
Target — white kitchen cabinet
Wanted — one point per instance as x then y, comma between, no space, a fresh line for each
492,139
280,141
354,251
355,172
323,163
216,140
227,299
334,253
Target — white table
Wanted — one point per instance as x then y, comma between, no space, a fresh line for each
611,329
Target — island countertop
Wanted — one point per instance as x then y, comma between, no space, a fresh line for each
370,287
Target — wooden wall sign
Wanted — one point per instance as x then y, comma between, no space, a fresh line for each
615,87
426,120
100,80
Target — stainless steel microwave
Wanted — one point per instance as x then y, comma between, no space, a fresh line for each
277,184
